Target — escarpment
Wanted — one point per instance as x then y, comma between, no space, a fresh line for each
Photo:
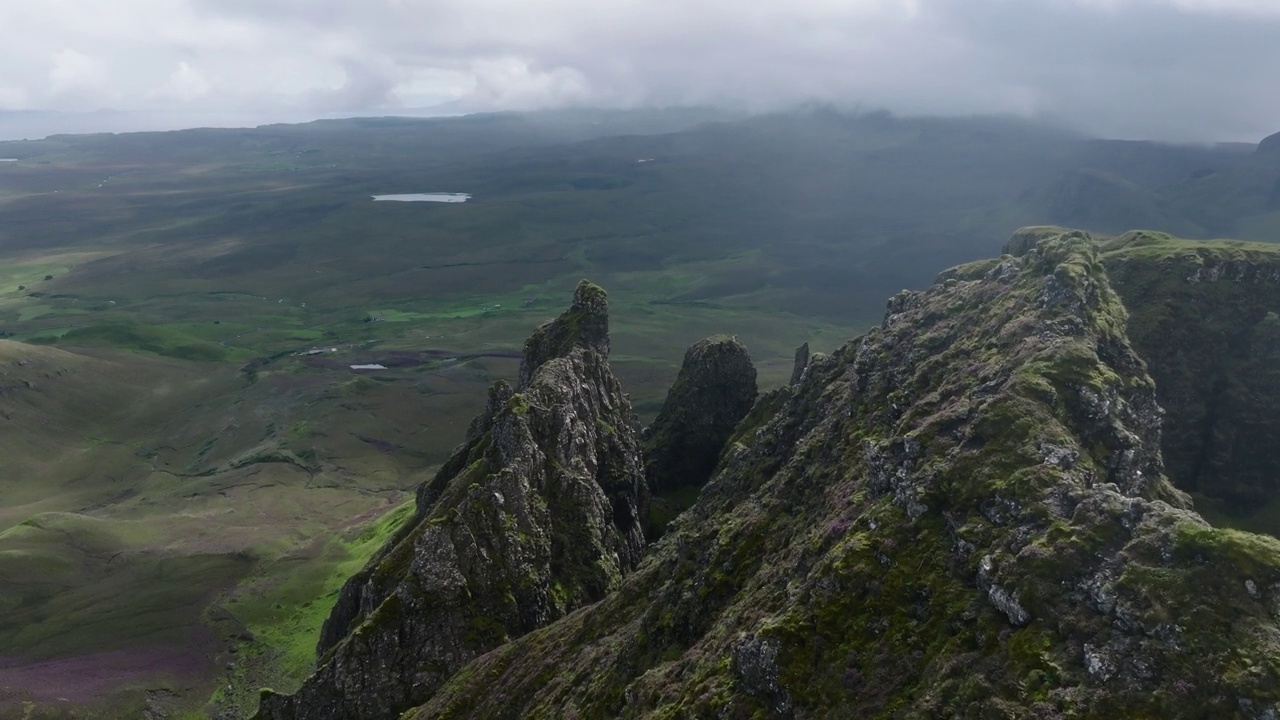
536,514
962,513
714,390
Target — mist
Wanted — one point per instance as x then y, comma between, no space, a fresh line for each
1184,70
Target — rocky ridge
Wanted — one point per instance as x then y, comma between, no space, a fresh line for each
1204,317
963,513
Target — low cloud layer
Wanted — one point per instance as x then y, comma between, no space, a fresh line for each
1166,69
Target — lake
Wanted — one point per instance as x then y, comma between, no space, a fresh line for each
426,197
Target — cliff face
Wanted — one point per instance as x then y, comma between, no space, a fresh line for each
536,514
1204,317
963,513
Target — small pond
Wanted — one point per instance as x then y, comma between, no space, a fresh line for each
426,197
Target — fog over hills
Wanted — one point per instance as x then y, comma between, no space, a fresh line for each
1193,70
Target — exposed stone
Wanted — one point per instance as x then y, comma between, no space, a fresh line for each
585,325
963,513
1003,600
1025,239
755,664
1203,315
714,390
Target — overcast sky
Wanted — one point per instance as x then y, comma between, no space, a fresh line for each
1164,69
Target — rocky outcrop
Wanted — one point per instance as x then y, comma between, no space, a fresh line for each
963,513
535,515
714,390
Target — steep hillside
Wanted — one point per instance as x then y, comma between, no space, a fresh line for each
1203,314
196,434
1106,203
1238,199
962,513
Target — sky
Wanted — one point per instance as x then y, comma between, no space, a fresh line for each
1186,70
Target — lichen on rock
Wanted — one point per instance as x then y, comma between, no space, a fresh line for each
800,364
585,324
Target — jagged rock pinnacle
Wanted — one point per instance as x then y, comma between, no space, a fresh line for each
715,389
585,324
963,513
801,362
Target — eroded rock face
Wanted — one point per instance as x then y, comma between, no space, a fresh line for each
962,513
535,515
714,390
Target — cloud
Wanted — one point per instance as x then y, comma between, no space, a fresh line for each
513,82
186,84
13,98
1180,69
78,79
366,83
